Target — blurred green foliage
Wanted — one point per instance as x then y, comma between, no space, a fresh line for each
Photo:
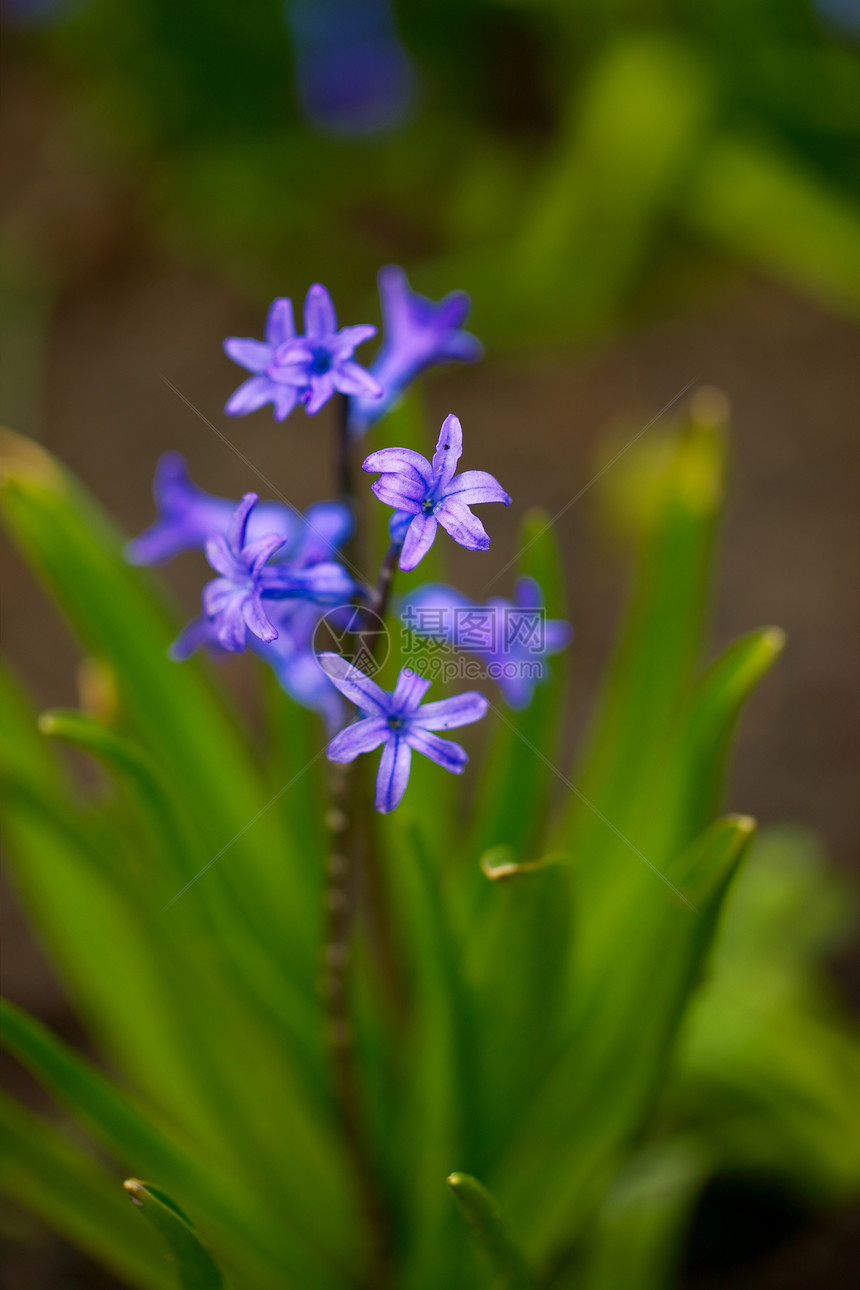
595,997
570,163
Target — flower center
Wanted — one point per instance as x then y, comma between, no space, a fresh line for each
395,723
321,362
427,506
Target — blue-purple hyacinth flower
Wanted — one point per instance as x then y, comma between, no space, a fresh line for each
427,494
290,369
234,602
417,333
320,363
514,638
187,516
400,723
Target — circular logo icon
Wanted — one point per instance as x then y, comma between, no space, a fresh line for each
357,633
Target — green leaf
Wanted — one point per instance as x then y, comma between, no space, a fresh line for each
172,709
489,1229
638,1230
76,1197
627,1016
515,956
195,1267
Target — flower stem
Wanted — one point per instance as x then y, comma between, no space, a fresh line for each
340,900
345,482
382,595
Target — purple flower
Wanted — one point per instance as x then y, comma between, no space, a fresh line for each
317,364
258,356
431,494
399,723
234,602
187,517
514,637
417,333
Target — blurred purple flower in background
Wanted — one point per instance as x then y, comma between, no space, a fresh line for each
514,637
353,74
187,516
400,723
431,494
417,333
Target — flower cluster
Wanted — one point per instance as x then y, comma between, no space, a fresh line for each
290,370
279,571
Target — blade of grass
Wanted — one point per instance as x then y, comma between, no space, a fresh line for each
195,1267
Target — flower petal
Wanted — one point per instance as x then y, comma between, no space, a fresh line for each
557,635
239,522
250,396
443,751
408,692
349,338
449,449
448,714
198,633
298,350
418,541
280,324
326,582
260,551
320,317
398,526
395,461
222,559
403,492
356,687
230,625
464,527
361,737
476,486
256,620
351,378
255,355
322,388
285,398
393,775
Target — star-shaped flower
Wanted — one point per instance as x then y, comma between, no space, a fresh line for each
319,363
400,723
514,638
234,603
417,333
258,356
427,494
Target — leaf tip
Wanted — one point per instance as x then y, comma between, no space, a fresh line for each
135,1189
775,639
